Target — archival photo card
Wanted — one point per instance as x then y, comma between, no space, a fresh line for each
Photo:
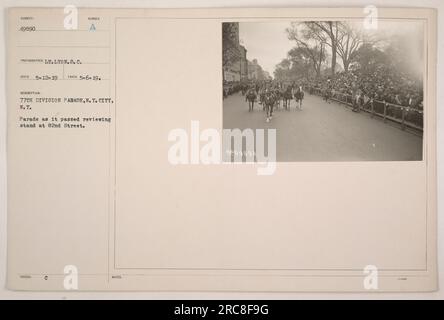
348,90
238,150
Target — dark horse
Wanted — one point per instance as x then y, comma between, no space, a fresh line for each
277,97
287,96
250,97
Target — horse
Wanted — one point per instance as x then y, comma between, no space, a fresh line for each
277,96
261,95
299,96
250,97
269,102
287,96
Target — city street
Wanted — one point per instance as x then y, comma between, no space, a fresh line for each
325,132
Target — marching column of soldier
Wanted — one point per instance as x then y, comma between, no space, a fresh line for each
269,96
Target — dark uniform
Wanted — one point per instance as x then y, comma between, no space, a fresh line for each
251,97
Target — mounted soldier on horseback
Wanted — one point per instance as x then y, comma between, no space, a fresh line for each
270,99
251,98
287,96
299,96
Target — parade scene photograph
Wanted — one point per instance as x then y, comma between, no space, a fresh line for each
332,90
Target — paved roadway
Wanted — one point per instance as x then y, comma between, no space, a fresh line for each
325,132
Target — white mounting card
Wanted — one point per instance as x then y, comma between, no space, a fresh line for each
284,149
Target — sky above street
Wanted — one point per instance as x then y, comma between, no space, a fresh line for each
268,42
265,41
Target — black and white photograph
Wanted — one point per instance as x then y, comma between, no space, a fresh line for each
228,151
332,90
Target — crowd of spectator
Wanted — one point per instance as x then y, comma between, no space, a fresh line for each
381,84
